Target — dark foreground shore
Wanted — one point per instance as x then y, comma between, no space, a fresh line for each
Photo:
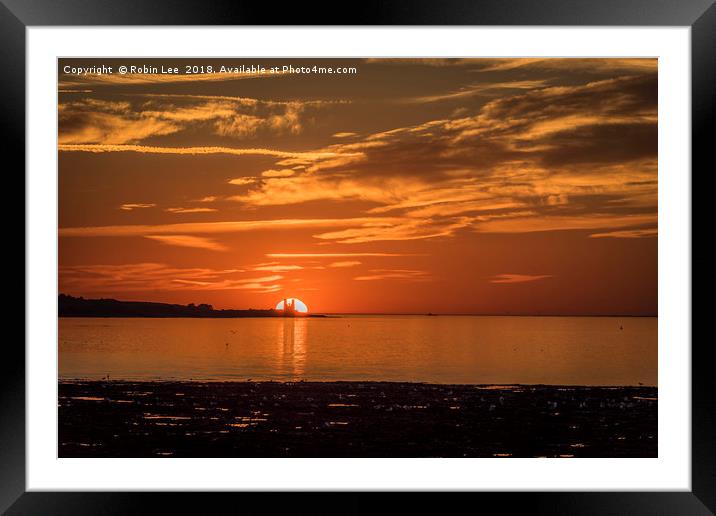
353,419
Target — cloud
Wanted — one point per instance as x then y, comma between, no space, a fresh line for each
334,255
547,158
210,227
186,114
141,277
242,125
94,121
261,284
529,224
242,101
588,65
98,148
136,206
410,229
477,89
190,210
188,241
449,208
627,233
557,199
394,274
131,79
286,172
344,264
548,64
242,181
276,267
110,122
298,189
517,278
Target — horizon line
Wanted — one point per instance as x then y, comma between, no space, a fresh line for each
428,313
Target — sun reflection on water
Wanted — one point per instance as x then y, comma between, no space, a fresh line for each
291,346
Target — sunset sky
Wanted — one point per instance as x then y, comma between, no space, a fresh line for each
492,186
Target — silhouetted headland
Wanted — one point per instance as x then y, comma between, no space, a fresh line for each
69,306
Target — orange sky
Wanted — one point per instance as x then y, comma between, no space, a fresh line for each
498,186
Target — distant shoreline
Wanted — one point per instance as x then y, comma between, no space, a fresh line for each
69,306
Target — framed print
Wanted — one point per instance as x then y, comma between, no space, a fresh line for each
294,254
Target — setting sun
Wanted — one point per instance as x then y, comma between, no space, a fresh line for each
298,305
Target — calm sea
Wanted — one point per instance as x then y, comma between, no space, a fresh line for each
442,349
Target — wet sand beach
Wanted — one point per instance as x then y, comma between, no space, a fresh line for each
353,419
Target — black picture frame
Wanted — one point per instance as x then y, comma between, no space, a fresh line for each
17,15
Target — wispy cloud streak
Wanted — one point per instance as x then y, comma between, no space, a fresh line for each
188,241
518,278
210,227
147,149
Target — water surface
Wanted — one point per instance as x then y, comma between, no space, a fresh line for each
442,349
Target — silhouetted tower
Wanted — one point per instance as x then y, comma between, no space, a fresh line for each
289,308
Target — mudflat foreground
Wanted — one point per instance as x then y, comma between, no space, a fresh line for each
353,419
